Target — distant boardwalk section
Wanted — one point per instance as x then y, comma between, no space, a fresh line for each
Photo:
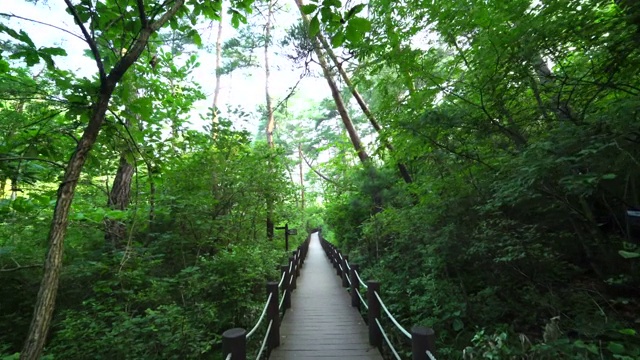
321,323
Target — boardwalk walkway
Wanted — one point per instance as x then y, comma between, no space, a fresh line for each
321,323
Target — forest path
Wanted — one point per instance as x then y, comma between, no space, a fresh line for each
321,323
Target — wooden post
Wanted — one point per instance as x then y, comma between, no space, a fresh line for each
375,335
345,271
296,255
234,341
286,237
338,264
305,246
422,340
285,288
292,261
273,314
355,286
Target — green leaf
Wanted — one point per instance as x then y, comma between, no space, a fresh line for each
53,51
615,348
628,254
314,26
336,3
457,324
627,332
355,10
337,39
30,56
197,40
608,176
353,34
361,24
326,14
309,8
4,66
236,17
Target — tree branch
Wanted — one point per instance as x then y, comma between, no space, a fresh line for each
43,23
20,158
140,43
323,177
19,267
90,40
143,16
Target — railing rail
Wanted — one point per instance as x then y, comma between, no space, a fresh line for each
264,312
234,341
393,319
422,338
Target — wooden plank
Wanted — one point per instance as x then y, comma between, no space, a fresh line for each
321,323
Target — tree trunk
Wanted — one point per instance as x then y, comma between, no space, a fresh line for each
271,123
49,286
335,92
14,186
559,107
46,300
119,198
3,184
301,177
216,92
404,171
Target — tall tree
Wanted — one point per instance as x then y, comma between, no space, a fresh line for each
335,91
271,122
404,171
301,177
218,69
108,79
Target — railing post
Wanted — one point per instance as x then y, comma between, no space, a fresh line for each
345,271
422,340
234,341
273,315
292,261
305,247
286,292
339,262
375,336
296,255
355,286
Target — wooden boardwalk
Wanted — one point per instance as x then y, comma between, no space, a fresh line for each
321,323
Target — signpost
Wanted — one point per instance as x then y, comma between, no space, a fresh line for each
287,232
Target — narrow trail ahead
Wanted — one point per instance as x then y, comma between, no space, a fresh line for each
321,323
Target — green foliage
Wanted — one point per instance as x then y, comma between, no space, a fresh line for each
517,120
523,171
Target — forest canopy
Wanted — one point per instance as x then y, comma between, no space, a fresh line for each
479,158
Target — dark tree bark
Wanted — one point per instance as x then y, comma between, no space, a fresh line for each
119,198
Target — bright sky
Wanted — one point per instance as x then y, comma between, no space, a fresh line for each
244,88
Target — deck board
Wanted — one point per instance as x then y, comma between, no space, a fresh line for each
321,323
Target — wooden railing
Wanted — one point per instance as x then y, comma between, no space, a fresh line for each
234,341
422,338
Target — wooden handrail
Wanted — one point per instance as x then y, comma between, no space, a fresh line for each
422,338
234,341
